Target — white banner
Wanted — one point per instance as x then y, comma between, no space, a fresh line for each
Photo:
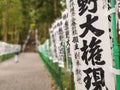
6,48
65,27
1,48
51,44
90,45
60,44
55,40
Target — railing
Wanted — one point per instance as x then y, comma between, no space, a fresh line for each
7,50
62,76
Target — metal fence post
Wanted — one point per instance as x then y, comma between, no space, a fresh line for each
115,48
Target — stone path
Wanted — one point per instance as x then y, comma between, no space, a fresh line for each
29,74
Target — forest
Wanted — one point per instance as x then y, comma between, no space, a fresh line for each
17,17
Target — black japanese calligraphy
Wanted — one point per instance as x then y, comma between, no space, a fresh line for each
68,42
72,3
67,34
76,46
77,55
68,50
74,31
78,63
78,73
75,39
94,52
94,77
72,11
83,4
88,26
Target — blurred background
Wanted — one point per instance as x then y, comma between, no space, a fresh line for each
17,17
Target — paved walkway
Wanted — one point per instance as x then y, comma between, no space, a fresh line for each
29,74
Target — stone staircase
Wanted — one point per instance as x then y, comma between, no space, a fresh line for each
31,44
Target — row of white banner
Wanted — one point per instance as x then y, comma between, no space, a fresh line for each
85,33
6,48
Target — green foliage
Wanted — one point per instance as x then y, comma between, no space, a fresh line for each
6,57
18,15
12,18
32,26
2,5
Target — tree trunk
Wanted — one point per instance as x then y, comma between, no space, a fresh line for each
16,35
55,7
6,20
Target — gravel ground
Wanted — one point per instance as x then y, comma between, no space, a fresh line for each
29,74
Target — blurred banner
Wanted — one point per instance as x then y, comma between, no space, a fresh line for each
60,44
57,43
90,44
6,48
65,27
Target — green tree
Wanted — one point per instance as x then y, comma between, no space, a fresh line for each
26,19
17,16
2,8
15,21
10,20
45,13
5,19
